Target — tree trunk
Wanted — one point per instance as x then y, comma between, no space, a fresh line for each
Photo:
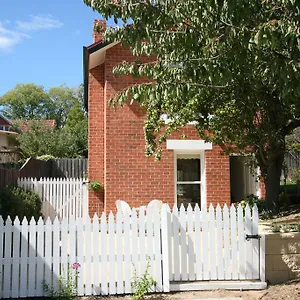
272,182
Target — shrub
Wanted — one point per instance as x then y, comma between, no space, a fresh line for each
251,200
19,202
142,285
45,157
95,186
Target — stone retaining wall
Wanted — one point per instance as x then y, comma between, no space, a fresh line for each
282,257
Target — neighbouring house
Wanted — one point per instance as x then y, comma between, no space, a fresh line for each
8,146
9,129
190,171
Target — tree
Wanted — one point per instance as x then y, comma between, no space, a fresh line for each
39,139
77,127
26,101
33,102
232,67
63,99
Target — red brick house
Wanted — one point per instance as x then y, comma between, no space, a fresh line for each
190,171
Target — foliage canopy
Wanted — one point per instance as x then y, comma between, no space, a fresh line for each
29,104
230,66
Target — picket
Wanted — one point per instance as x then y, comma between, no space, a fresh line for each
241,243
206,245
227,249
219,244
88,259
96,280
7,261
183,245
40,255
104,256
127,251
205,234
248,244
191,243
198,248
255,246
119,266
61,197
23,260
31,256
175,233
15,259
212,244
234,249
111,254
149,242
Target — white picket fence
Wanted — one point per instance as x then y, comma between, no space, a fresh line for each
182,247
61,197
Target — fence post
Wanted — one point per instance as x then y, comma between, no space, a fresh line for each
85,200
165,219
262,256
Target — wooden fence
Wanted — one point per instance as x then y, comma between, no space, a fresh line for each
56,168
61,197
69,167
8,177
111,250
31,168
8,156
292,160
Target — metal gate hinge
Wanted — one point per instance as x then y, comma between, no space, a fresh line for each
252,236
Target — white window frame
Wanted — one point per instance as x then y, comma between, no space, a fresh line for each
194,147
201,183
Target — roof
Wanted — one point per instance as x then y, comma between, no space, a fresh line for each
10,123
93,56
25,124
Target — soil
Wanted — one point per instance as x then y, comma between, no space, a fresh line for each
288,216
289,290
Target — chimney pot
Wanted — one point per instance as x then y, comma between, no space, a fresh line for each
98,29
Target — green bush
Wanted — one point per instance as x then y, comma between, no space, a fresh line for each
251,200
19,202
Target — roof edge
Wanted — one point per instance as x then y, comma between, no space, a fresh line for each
87,51
10,123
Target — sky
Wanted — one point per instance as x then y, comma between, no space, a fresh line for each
41,42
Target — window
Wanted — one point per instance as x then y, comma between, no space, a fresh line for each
3,127
189,171
188,179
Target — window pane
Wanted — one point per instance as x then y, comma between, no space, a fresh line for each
188,193
188,169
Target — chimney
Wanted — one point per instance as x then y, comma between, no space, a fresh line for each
99,28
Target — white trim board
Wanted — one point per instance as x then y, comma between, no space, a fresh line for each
188,145
215,285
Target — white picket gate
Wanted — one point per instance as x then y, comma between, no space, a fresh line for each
185,249
62,197
218,248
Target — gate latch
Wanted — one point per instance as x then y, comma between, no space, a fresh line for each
252,236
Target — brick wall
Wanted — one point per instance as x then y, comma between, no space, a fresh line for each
96,137
117,148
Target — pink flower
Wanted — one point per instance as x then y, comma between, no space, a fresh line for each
76,265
